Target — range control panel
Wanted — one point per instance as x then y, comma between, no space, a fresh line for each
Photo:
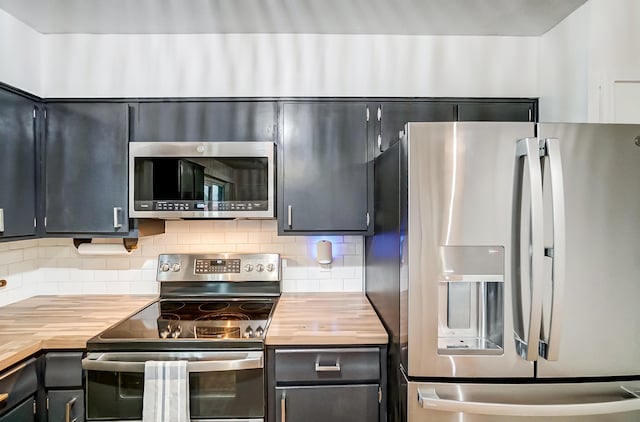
219,267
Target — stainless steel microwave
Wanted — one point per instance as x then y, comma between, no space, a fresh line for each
201,180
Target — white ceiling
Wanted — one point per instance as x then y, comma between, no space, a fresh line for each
411,17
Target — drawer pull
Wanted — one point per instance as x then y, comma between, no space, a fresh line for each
67,412
3,398
283,408
332,368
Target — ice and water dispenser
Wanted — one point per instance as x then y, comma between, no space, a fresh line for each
470,300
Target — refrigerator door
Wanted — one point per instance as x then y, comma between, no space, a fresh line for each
463,314
584,402
593,326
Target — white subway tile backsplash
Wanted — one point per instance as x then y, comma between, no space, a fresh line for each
53,266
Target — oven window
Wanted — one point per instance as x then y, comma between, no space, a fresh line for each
229,394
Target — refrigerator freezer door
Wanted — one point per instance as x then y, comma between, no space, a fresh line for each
457,315
584,402
598,315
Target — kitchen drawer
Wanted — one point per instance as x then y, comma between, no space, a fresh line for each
358,364
22,413
335,403
63,369
19,383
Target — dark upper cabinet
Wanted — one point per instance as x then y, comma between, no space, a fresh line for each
508,111
86,162
393,116
17,166
204,121
323,168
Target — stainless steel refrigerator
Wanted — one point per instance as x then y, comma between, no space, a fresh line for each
506,266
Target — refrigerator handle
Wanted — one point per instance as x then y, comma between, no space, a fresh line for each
550,349
429,400
528,148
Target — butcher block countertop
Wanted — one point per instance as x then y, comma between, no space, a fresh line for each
325,319
59,322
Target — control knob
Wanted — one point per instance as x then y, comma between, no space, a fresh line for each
164,267
259,268
259,331
270,267
248,268
248,333
175,267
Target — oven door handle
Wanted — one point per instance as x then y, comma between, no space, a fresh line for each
101,362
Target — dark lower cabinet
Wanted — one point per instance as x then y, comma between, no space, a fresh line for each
323,168
86,168
336,403
17,166
24,412
507,111
63,384
343,384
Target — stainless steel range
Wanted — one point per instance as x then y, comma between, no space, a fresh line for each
214,311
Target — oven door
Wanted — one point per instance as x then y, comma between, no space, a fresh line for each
222,385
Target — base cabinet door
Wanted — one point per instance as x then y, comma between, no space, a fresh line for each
22,413
336,403
66,405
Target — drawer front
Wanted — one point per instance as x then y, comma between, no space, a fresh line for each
337,403
63,401
18,383
63,369
353,365
22,413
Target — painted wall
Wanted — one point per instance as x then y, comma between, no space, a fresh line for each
201,65
53,266
20,65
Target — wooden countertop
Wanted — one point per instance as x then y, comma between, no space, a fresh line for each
59,322
324,319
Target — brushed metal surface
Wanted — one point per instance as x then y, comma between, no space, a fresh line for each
186,267
459,181
600,318
530,401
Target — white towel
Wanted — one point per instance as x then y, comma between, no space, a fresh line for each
166,392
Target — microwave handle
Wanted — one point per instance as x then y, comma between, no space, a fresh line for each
252,361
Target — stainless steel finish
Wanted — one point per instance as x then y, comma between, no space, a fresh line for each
270,267
283,404
591,402
182,267
204,420
527,337
328,368
289,215
197,361
450,166
67,410
550,351
1,219
600,318
13,371
260,268
202,149
116,222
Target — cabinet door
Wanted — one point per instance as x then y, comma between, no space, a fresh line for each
17,166
65,405
22,413
510,111
324,172
86,168
394,115
335,403
204,121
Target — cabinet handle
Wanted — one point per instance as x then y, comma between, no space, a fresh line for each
332,368
289,214
116,223
67,410
4,397
1,219
380,143
283,408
